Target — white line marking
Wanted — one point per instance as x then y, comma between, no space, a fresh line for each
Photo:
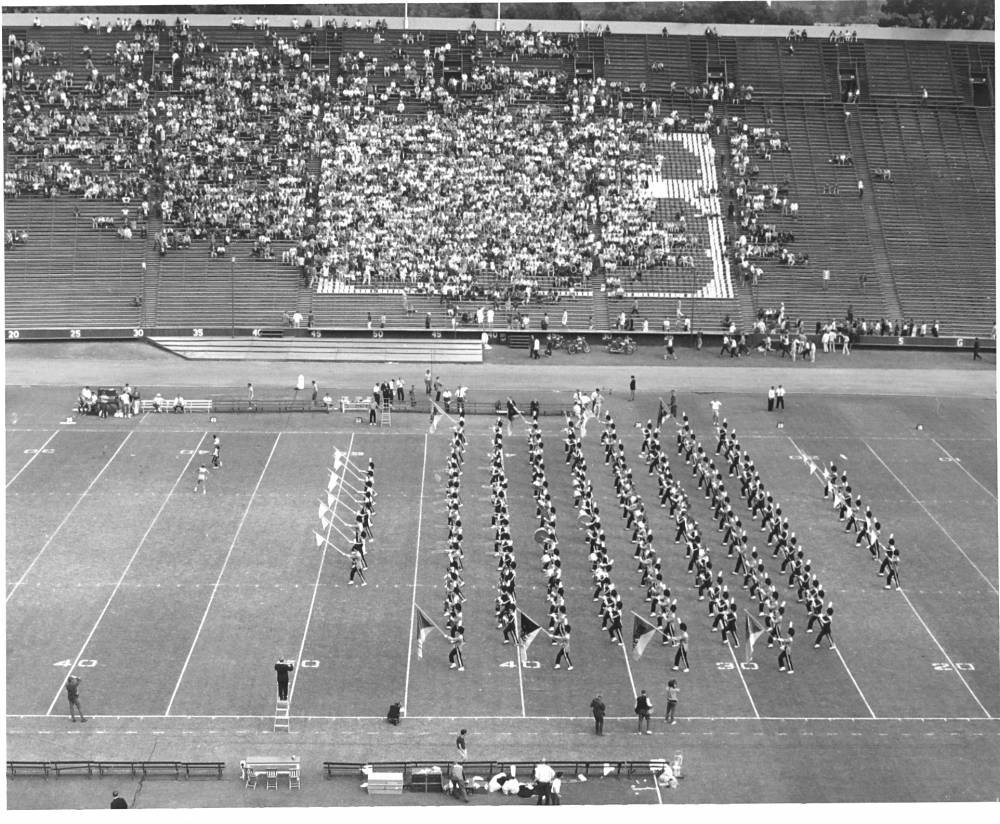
929,515
656,786
958,463
319,572
128,566
739,671
225,563
628,666
416,567
946,656
37,453
69,514
850,675
686,718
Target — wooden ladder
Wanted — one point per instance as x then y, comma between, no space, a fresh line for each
282,720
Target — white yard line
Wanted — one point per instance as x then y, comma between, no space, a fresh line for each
69,514
128,566
28,463
739,671
722,718
958,463
946,656
319,572
850,675
416,568
656,786
989,583
225,563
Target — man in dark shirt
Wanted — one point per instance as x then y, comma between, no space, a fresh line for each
282,668
597,705
643,708
73,695
117,802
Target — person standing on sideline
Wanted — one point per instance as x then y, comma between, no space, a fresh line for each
668,342
599,709
779,397
631,388
975,350
427,381
457,776
315,395
716,406
250,395
202,479
556,789
357,567
682,648
544,775
672,693
282,668
643,707
463,752
117,802
73,696
216,452
770,399
300,384
536,346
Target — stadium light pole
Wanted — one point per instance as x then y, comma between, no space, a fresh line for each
232,295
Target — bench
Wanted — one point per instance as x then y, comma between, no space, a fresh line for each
203,769
289,405
357,405
189,405
74,767
334,768
271,767
28,768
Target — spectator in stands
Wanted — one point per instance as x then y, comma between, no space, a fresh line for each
117,802
158,402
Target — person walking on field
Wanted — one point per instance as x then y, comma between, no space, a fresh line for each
463,752
672,693
631,388
599,709
73,695
643,708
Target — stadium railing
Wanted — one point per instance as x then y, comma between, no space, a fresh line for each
146,769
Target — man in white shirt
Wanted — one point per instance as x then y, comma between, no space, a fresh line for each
544,775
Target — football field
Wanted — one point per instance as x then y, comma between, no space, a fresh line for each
173,605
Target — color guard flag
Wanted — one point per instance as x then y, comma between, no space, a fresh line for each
642,634
526,630
424,628
320,540
753,631
332,483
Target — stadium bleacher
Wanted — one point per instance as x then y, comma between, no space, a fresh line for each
924,242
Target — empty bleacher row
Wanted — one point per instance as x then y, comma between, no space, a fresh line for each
927,251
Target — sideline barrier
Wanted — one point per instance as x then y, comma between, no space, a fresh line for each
144,769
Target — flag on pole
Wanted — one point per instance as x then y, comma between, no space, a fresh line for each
326,522
753,630
330,499
320,540
526,630
424,628
642,634
323,510
334,480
